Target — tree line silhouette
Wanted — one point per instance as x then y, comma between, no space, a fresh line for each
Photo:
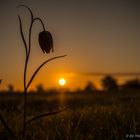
108,83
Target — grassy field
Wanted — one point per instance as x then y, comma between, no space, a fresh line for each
99,116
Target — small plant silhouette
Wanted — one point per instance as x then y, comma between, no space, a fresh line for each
0,81
46,44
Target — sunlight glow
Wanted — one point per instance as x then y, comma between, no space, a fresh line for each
62,81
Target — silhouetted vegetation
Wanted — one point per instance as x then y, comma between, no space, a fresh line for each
91,116
40,88
90,87
10,88
109,83
98,115
133,84
78,116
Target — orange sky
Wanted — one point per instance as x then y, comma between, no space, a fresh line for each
97,36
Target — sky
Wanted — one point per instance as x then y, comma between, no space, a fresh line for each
98,36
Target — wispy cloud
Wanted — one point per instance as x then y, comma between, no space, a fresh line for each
112,74
120,74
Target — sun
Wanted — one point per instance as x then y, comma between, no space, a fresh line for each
62,81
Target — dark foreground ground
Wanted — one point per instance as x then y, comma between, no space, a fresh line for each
100,116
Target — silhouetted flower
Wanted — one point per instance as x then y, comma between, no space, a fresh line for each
46,41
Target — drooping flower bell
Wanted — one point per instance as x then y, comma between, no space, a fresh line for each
46,41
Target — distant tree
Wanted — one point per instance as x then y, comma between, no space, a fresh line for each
40,88
0,81
132,84
109,83
90,87
10,88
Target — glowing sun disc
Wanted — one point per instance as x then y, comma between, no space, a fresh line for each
62,82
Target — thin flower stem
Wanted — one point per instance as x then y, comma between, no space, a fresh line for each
37,70
28,49
40,21
26,64
25,74
31,13
25,96
23,38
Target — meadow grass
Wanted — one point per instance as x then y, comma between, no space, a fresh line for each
90,117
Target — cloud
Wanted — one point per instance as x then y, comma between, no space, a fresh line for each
113,74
